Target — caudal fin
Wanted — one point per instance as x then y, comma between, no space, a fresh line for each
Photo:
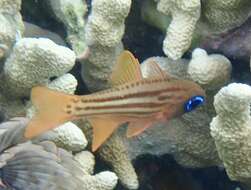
51,110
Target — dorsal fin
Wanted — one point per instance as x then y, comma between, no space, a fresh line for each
126,69
154,70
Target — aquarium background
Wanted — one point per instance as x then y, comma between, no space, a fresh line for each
208,149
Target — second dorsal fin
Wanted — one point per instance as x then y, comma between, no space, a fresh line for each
126,69
154,70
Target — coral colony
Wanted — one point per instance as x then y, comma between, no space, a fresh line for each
215,134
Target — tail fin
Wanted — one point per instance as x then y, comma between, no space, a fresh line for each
51,110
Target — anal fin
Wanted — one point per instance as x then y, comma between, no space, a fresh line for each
103,127
136,128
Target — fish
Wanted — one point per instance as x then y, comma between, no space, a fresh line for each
140,102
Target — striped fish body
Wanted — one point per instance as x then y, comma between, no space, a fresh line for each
132,98
149,97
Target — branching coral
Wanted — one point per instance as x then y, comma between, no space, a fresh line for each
32,61
213,17
71,14
104,30
231,130
114,152
96,70
185,14
47,59
87,161
105,24
188,137
213,70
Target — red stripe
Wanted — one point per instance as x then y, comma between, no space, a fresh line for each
135,105
134,95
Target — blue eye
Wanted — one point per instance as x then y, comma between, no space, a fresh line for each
193,103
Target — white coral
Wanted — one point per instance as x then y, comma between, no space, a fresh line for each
34,61
11,25
185,14
105,24
66,83
71,14
10,6
210,71
96,70
115,153
101,181
86,160
231,130
67,136
104,31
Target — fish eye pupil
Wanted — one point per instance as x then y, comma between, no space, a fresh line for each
193,103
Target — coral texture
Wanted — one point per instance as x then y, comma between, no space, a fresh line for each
231,130
188,137
193,20
33,61
223,15
104,30
185,14
11,25
71,14
67,136
105,24
114,152
27,53
96,70
86,160
210,71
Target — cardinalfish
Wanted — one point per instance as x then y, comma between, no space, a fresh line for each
132,99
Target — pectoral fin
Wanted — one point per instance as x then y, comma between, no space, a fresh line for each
136,128
102,130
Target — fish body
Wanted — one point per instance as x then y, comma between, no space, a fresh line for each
149,97
132,98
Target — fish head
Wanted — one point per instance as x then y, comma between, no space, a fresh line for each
186,97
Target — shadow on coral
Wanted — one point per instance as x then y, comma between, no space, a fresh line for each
163,173
140,38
